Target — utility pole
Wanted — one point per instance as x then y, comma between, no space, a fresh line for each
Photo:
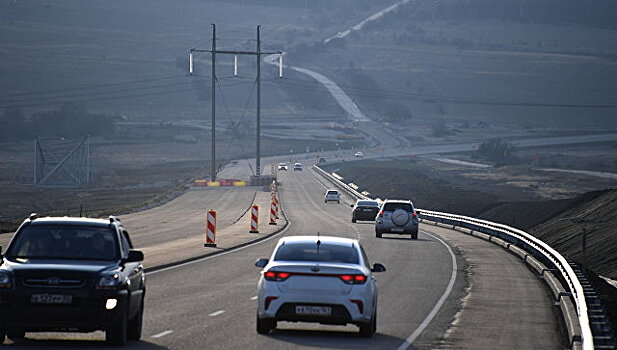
258,124
258,53
213,101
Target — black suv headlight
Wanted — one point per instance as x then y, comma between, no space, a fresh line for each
6,280
108,281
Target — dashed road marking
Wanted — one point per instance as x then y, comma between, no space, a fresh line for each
254,298
162,334
216,313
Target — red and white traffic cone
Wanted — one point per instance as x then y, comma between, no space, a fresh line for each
211,229
276,205
273,212
254,219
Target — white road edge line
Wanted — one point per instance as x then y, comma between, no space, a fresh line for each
162,334
216,313
439,304
222,253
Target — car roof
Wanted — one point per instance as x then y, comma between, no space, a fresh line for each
398,201
323,239
332,190
366,200
65,220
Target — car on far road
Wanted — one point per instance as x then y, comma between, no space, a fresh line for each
397,216
64,274
325,280
364,210
332,196
359,154
283,166
298,167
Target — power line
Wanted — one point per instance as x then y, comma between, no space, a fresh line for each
102,99
80,88
94,93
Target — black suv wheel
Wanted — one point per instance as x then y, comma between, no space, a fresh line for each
136,324
117,334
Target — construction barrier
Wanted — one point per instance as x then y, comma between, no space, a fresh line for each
276,205
254,219
273,212
211,229
219,183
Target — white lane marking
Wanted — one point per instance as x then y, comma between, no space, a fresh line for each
254,298
216,313
440,302
162,334
222,253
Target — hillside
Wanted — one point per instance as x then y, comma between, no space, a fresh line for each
595,213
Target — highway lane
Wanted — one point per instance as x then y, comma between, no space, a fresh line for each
408,290
210,303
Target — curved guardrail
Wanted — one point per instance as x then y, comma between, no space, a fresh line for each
539,249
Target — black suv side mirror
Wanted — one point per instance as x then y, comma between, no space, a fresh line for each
135,256
261,262
378,268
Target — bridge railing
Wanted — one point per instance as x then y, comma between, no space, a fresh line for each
532,245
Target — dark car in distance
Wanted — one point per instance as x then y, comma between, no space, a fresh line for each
364,210
72,275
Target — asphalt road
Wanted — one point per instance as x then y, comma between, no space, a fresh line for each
211,303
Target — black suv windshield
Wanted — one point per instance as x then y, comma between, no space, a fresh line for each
64,242
313,252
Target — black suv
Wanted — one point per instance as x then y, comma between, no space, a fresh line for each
72,275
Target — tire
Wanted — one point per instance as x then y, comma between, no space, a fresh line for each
116,335
135,325
325,201
368,329
15,334
339,202
353,220
265,325
378,233
414,235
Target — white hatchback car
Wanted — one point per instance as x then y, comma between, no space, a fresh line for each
332,196
324,280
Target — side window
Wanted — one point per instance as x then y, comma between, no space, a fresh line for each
126,244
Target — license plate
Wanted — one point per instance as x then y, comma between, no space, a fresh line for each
397,229
51,299
313,310
369,210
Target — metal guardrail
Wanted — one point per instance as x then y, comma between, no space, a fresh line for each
539,249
